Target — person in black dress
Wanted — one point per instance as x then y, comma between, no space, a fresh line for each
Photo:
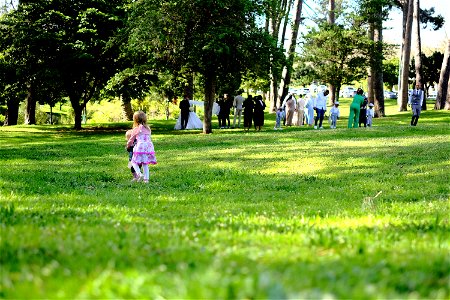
248,106
362,113
224,112
258,116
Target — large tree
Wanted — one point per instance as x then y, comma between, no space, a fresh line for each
426,17
75,39
374,12
336,54
287,69
407,8
276,14
431,69
211,38
442,98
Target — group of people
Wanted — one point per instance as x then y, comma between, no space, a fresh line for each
292,112
141,151
188,118
359,114
299,112
252,109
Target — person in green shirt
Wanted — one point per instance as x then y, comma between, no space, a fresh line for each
353,118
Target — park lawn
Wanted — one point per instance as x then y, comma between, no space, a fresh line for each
298,213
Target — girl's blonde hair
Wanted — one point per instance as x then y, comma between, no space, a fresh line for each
140,118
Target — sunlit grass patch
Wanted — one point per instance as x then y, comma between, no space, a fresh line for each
299,213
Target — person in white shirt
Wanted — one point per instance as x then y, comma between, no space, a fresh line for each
237,104
370,114
334,114
320,107
309,109
415,101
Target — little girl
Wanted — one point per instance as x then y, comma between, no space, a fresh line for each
143,151
334,114
370,114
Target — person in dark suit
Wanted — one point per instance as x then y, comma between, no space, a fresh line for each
228,106
185,109
220,117
225,105
258,116
248,106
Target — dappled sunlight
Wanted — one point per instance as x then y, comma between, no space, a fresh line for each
365,205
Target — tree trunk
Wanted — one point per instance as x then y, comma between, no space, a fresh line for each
287,70
12,113
371,70
274,99
442,92
210,93
77,110
332,20
30,112
127,110
78,117
276,12
331,12
418,50
406,55
285,7
447,103
378,84
189,87
404,4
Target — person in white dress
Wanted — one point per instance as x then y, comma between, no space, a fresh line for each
309,109
194,121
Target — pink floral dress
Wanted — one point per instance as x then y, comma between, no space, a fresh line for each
143,151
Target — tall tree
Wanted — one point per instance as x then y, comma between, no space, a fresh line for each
408,8
375,12
431,69
447,102
332,20
76,39
425,17
335,54
418,47
287,69
277,13
442,97
211,38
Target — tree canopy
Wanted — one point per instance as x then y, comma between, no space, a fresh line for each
336,54
217,39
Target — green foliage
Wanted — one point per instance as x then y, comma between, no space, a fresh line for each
228,215
63,48
431,69
219,40
390,72
334,54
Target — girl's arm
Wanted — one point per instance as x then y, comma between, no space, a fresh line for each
134,133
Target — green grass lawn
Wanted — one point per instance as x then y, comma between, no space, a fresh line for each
270,214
